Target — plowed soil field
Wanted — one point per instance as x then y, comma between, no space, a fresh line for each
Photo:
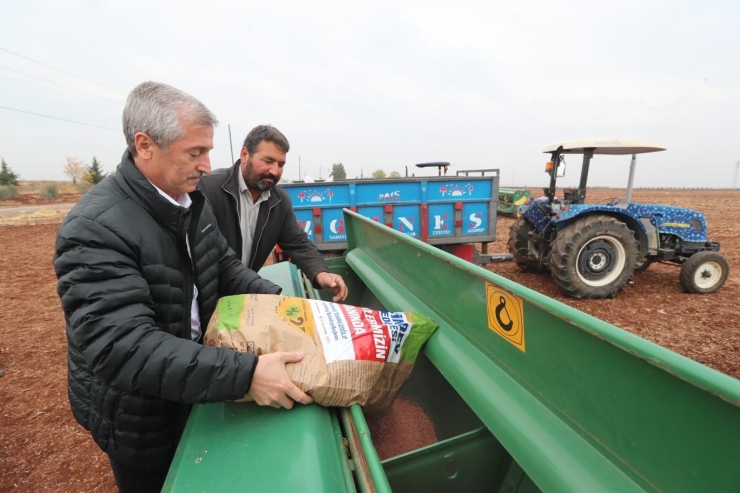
43,449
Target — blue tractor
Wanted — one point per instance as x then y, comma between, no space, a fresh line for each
593,250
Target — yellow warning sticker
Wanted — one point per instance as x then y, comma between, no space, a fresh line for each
505,315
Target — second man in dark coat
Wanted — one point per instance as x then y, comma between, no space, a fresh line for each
254,215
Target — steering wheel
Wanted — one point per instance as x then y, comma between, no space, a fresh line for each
609,201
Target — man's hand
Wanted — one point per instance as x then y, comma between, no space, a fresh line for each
333,282
271,385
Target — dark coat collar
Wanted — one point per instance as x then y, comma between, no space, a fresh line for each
138,187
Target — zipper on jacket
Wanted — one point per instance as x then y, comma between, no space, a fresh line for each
238,216
189,277
238,213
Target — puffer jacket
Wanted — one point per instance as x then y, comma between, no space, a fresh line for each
126,287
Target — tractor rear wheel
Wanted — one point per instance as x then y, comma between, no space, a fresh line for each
594,257
529,254
704,272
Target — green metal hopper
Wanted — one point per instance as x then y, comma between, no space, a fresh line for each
509,200
526,395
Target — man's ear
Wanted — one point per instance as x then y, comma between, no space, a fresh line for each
144,145
244,157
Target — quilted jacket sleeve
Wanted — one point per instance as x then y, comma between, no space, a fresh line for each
236,278
110,315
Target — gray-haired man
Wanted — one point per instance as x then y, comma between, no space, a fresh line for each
141,264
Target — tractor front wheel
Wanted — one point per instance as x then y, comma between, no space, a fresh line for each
594,257
704,272
529,253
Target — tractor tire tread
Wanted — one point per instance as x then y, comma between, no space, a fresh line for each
688,270
518,244
563,259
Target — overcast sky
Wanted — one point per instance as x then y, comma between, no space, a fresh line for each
386,85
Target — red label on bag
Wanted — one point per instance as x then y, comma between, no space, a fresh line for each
370,337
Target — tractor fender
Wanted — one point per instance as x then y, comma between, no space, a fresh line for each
633,223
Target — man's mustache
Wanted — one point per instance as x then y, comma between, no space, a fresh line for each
270,176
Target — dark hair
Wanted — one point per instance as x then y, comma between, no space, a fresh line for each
265,132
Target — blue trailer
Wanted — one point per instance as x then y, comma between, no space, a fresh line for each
452,213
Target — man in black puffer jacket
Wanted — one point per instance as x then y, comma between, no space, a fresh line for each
141,264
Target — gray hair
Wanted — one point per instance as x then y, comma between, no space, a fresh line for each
159,111
265,133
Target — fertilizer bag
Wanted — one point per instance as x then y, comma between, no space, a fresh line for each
352,355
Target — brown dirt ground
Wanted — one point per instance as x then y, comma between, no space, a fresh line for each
36,199
43,448
29,193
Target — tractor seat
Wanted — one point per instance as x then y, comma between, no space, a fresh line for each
572,195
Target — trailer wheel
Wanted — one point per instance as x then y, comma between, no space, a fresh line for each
529,254
704,272
594,257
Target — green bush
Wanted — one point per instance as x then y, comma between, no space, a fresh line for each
7,192
83,187
50,192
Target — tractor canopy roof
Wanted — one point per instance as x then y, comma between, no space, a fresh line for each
604,146
431,165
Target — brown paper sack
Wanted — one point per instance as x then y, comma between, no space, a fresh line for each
352,355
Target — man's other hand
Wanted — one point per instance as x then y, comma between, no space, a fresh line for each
335,283
271,385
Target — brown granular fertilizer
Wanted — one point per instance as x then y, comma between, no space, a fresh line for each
405,427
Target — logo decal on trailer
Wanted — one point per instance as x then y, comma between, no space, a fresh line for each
316,195
396,194
408,222
337,226
505,315
456,190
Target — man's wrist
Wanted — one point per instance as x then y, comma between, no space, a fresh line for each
251,374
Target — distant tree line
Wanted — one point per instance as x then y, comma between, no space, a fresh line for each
8,182
81,173
7,177
339,173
